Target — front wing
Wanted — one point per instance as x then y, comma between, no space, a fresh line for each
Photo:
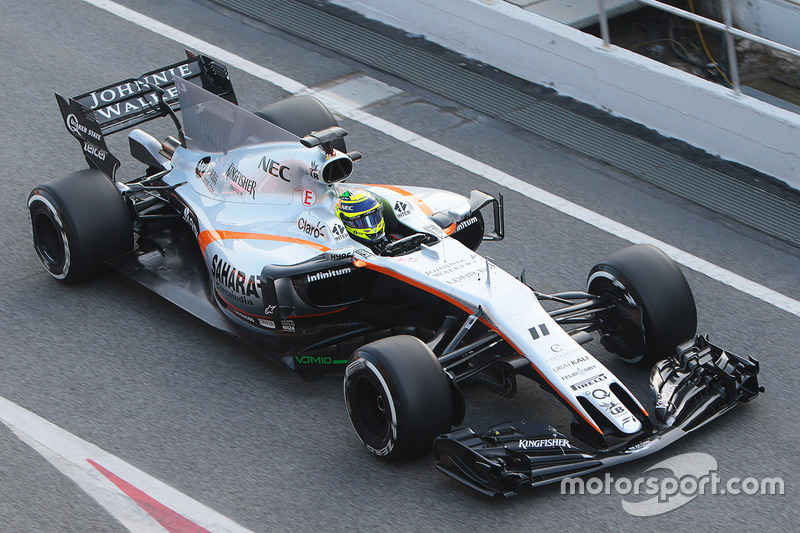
689,390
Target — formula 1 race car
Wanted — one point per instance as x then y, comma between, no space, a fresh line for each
244,221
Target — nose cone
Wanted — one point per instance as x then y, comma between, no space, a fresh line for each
604,400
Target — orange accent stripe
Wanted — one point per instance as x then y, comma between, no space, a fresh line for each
422,205
449,230
470,311
208,236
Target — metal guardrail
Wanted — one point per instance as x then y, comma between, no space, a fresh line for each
723,189
726,27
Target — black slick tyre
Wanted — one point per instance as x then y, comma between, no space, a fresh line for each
398,397
645,277
78,222
302,115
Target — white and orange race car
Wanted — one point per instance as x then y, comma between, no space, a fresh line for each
238,221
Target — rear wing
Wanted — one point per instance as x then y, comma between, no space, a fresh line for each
128,103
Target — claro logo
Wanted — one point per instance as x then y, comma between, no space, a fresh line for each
313,230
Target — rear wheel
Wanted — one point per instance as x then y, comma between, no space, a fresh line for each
302,115
654,308
78,222
398,397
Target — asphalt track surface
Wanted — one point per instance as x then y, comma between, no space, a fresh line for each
122,369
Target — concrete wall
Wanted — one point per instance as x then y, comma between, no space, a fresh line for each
777,20
674,103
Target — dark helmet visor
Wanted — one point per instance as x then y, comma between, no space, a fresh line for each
364,221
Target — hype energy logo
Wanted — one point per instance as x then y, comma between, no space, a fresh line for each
673,483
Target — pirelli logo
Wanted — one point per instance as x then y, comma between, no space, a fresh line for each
587,382
539,331
328,274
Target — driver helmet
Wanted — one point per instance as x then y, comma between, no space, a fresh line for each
361,214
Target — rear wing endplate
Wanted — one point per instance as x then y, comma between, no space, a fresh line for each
128,103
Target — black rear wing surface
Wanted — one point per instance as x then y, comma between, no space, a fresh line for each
128,103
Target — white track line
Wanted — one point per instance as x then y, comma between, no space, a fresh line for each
71,455
347,109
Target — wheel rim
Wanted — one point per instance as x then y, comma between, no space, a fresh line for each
48,239
370,410
625,335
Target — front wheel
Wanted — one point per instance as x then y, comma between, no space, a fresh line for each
398,397
78,222
652,307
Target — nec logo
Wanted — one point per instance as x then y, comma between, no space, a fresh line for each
273,168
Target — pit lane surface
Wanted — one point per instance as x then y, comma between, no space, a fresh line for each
126,371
